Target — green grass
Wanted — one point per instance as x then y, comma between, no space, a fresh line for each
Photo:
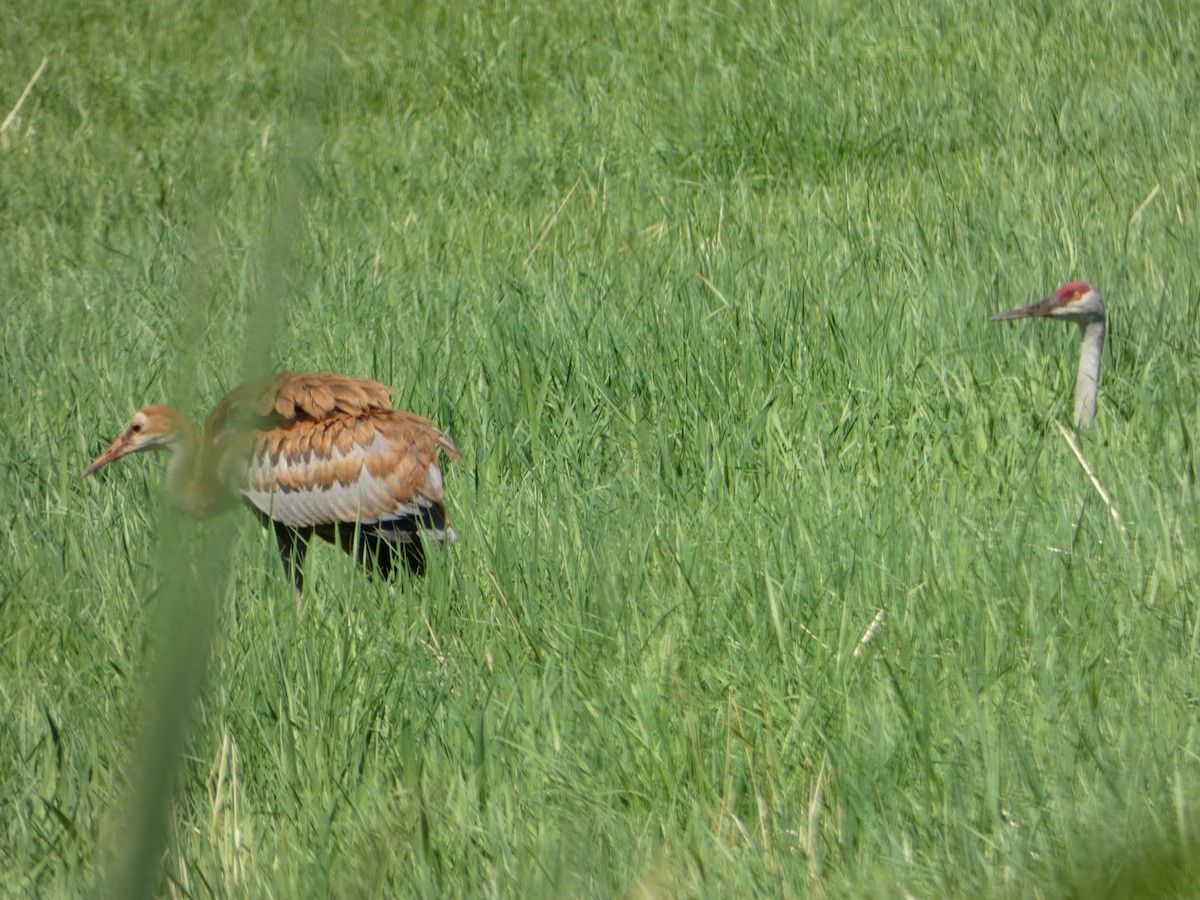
701,291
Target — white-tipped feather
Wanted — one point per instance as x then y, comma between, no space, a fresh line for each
319,504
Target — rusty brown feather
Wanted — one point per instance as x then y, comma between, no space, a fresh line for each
311,453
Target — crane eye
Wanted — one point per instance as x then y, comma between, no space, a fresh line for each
135,427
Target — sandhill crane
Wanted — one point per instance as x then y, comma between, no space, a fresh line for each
309,453
1078,302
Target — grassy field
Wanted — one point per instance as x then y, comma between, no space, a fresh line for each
702,292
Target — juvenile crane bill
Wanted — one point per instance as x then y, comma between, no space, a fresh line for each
310,453
114,452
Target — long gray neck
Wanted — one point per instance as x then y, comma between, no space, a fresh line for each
1088,381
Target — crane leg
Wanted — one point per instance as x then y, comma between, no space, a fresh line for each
293,545
413,553
375,553
376,548
396,539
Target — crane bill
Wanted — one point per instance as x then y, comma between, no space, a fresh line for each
118,448
1041,308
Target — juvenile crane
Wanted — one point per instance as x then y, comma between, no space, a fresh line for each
309,453
1078,302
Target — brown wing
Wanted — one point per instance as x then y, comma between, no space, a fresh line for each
294,397
316,448
371,468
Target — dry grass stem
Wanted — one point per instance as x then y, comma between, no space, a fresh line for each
1104,495
12,113
551,223
1149,199
869,634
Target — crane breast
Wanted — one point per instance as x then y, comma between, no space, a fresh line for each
368,469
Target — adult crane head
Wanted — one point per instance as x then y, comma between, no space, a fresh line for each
1078,302
1075,301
